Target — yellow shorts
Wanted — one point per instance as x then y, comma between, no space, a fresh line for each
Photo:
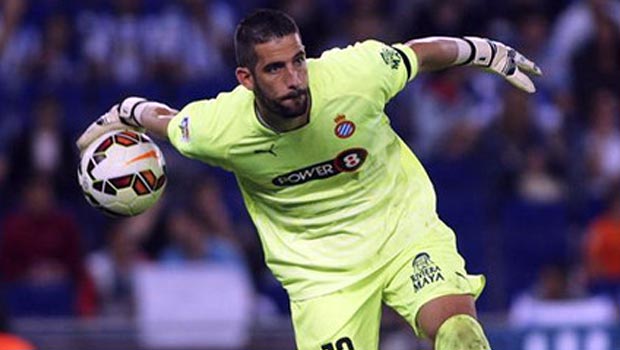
350,318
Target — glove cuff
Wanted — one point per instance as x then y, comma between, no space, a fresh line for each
139,107
465,51
131,110
127,111
483,52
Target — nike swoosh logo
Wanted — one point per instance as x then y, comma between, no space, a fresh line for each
146,155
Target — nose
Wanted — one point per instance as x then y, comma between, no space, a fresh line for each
293,77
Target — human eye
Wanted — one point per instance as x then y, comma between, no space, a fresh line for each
273,68
300,59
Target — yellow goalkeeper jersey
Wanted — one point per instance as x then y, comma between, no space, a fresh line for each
337,198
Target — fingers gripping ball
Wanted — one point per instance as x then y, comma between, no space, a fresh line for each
122,173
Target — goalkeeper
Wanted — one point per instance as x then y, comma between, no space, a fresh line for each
345,211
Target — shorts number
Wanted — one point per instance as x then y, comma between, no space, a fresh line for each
343,343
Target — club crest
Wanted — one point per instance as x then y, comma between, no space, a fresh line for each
344,128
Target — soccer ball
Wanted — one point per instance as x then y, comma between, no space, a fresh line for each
122,173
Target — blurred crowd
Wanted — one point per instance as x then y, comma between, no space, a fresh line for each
531,184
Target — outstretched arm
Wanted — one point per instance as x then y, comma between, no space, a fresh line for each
436,53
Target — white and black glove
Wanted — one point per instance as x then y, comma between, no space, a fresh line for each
126,115
503,60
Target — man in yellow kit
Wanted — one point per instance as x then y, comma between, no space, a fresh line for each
345,211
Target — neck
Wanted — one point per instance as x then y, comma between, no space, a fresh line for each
278,123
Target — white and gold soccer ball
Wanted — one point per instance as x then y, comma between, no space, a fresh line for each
122,173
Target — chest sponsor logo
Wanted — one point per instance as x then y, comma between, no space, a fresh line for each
425,272
344,128
346,161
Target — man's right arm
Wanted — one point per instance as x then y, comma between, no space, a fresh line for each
155,120
149,115
134,113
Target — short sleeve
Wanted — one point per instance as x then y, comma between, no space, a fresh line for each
410,60
194,133
373,68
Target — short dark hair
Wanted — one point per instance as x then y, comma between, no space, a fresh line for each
260,27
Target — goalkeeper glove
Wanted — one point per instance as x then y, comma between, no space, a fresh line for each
503,60
126,115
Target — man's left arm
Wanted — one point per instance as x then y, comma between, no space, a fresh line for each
435,53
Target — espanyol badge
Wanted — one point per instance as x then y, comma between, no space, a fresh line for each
344,128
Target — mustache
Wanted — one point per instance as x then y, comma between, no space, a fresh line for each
294,94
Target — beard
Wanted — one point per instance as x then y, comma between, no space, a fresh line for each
290,106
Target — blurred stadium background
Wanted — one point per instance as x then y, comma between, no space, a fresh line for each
529,183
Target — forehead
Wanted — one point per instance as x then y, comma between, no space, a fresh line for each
278,49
